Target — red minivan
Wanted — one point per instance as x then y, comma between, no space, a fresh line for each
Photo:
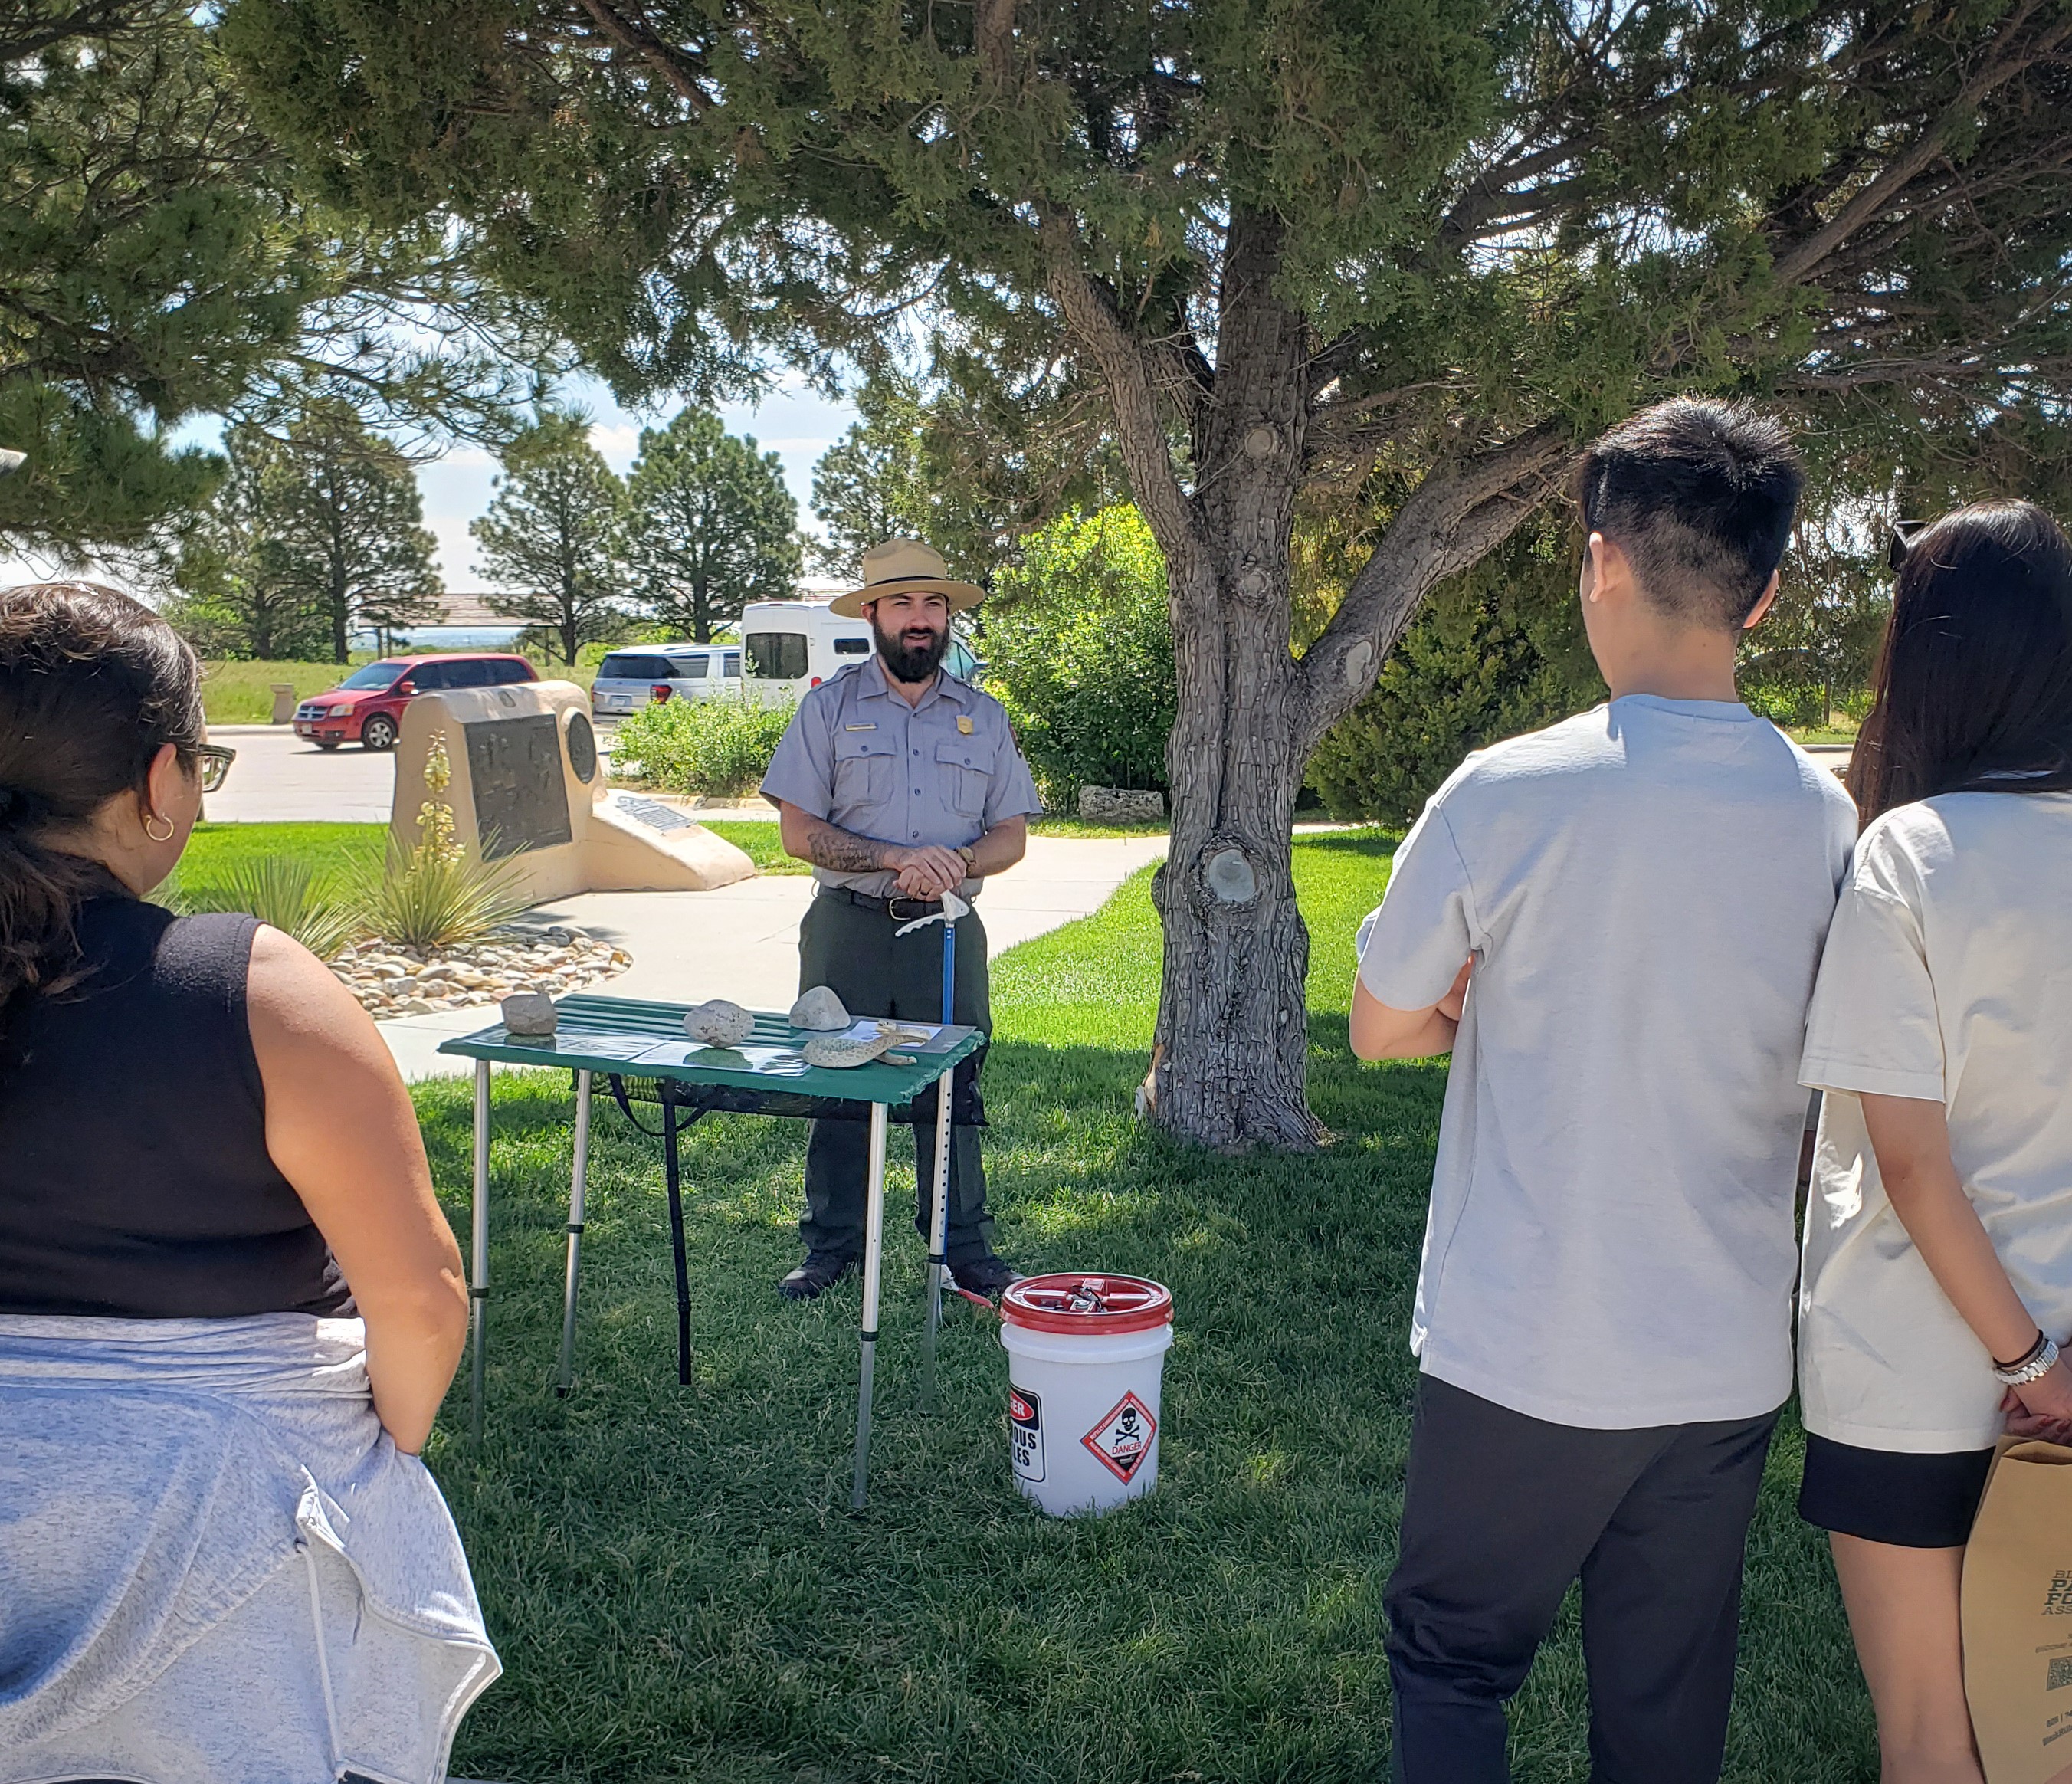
367,707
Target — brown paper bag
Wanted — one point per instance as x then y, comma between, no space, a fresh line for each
2017,1615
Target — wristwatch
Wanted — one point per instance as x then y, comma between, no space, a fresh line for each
2041,1357
970,856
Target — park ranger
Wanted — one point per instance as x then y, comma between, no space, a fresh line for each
899,783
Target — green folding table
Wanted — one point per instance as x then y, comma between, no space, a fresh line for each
643,1045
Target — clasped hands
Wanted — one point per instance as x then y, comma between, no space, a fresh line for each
2042,1408
927,872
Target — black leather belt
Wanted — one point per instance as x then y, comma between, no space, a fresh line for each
904,911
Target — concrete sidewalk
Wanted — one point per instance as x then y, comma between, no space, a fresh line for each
742,941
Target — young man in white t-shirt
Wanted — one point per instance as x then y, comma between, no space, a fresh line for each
1614,925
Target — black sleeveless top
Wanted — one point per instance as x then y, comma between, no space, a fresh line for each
134,1178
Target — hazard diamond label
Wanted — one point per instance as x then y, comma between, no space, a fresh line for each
1122,1440
1025,1428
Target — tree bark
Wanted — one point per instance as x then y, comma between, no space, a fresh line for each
1232,1038
1231,1045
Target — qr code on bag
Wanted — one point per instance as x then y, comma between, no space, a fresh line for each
2060,1674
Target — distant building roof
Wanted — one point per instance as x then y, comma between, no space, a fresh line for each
470,607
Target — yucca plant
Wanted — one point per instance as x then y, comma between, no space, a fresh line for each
430,898
285,892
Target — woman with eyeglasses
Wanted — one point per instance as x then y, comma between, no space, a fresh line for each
1938,1277
229,1304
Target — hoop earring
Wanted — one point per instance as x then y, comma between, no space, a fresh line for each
153,834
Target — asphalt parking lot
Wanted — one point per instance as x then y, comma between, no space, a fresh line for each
277,779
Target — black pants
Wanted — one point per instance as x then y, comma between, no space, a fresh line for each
854,952
1500,1512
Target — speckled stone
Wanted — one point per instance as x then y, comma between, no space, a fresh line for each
718,1023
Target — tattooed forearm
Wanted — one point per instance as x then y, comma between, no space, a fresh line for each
843,851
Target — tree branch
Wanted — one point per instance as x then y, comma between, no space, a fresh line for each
1456,515
992,30
680,68
1797,264
1091,318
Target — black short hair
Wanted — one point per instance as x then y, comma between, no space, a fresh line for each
1700,495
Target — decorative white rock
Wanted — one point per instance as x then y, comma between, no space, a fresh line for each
839,1051
820,1009
718,1023
529,1013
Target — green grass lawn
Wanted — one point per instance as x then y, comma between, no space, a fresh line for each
1841,728
679,1592
215,850
758,839
242,694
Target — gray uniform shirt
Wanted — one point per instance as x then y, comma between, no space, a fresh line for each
943,772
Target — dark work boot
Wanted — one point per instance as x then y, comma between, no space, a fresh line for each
989,1277
821,1271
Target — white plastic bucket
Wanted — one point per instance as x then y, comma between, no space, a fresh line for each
1086,1359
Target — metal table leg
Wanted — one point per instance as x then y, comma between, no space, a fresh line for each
577,1182
938,1225
478,1292
670,1171
873,1258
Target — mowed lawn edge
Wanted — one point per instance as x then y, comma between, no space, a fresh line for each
672,1576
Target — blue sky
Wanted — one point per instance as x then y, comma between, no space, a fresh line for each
790,420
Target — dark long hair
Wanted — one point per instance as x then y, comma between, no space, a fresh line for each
1973,692
93,685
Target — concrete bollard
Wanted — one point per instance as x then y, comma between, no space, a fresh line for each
284,702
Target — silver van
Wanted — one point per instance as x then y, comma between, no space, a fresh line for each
648,674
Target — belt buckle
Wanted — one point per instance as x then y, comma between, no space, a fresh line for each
920,908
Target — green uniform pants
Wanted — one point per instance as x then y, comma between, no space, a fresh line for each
854,950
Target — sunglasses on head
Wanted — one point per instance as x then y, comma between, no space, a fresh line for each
214,761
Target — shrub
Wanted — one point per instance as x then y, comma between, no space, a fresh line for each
286,893
1496,651
717,748
1078,648
429,897
1786,703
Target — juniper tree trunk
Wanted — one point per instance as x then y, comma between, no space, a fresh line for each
1232,1038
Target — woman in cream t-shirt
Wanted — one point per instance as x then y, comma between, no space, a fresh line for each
1937,1273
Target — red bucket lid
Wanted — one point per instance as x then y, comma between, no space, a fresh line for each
1091,1305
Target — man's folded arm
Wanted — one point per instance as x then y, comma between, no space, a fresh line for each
1381,1032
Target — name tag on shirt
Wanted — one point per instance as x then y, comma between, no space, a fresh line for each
870,727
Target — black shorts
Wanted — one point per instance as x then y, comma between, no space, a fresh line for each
1892,1496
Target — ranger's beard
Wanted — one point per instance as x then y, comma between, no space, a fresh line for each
911,663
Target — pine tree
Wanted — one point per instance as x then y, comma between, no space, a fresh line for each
1271,249
161,262
709,525
553,534
873,482
313,536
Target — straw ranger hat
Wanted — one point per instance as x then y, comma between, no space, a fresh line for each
905,566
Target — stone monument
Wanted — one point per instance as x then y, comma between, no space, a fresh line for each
517,769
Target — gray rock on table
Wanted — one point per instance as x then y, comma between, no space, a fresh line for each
718,1023
820,1009
529,1013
